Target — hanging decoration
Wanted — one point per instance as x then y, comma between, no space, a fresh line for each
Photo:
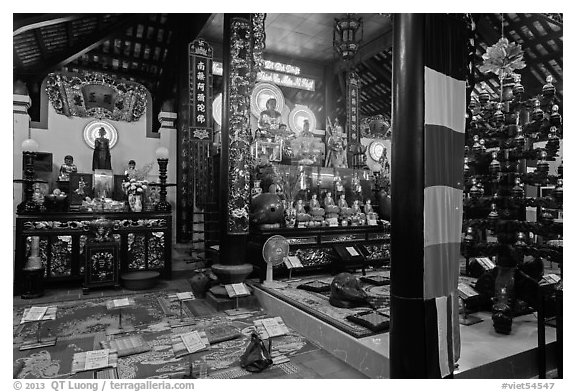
196,185
347,36
355,149
200,80
240,77
503,132
376,127
503,58
94,94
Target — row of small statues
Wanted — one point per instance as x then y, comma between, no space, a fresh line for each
331,211
314,203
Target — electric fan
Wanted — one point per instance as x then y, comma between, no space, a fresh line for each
274,250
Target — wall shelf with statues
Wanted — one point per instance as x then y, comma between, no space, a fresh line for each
144,241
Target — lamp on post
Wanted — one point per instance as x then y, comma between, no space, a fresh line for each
29,150
347,35
162,157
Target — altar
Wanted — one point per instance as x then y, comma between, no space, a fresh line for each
143,239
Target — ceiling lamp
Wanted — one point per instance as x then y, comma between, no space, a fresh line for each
348,32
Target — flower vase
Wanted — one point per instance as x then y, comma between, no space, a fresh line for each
135,202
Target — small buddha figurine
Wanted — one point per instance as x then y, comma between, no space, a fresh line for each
269,118
314,203
306,129
300,207
356,207
128,173
67,168
338,183
342,202
328,201
368,209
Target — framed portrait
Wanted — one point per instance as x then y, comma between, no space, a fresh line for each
103,183
81,185
270,150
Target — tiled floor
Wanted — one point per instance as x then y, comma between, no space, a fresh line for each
318,364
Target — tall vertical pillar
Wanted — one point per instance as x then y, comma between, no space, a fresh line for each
428,109
234,165
22,103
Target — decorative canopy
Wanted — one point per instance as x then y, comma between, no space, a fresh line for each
96,95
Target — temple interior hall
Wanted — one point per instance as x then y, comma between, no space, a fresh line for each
287,196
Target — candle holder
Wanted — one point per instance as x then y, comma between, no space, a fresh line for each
163,205
162,155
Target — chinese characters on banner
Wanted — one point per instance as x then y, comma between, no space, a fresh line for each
200,88
353,107
194,169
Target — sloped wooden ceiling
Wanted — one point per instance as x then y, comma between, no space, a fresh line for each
145,48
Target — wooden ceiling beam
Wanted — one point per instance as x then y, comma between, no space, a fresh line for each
87,44
22,23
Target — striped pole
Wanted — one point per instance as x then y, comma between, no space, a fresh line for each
429,99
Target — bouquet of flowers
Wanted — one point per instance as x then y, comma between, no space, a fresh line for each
134,186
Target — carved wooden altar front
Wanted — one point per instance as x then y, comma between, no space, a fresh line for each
144,241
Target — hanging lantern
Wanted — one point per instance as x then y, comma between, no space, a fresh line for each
542,166
553,143
483,95
546,217
517,189
520,239
548,89
498,115
508,88
469,236
519,140
347,35
466,168
537,113
555,117
476,147
559,191
518,89
475,192
495,164
493,216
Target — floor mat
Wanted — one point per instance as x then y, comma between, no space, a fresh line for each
81,326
